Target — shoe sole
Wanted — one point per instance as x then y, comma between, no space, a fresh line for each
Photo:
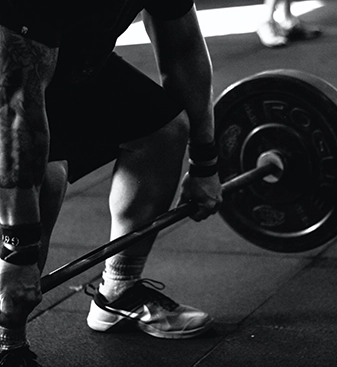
270,44
175,334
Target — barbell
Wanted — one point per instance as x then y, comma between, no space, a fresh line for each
277,139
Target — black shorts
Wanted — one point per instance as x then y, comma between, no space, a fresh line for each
89,120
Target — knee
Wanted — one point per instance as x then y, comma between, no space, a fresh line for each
56,174
173,137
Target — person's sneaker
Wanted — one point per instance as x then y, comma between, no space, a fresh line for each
20,357
150,311
271,34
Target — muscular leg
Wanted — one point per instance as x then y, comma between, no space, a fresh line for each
145,180
26,68
144,183
51,198
20,223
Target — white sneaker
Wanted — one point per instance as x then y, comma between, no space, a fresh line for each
150,311
271,34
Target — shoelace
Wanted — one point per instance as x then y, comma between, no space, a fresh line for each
152,294
155,296
87,288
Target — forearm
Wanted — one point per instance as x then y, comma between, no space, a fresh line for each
189,79
185,68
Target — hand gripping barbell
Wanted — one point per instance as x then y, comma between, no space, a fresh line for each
277,138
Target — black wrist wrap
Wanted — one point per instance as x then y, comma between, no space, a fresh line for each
203,152
203,159
203,171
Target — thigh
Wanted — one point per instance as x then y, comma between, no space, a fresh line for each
90,120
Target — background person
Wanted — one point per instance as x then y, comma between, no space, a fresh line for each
277,34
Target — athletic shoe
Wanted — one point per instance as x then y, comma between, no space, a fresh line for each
20,357
150,311
271,35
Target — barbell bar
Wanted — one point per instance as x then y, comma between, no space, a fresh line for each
78,266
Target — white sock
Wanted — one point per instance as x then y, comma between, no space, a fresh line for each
120,273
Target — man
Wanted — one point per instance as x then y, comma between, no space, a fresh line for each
278,34
58,73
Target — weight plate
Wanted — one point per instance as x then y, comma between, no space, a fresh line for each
294,114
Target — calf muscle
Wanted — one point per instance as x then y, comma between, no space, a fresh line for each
26,68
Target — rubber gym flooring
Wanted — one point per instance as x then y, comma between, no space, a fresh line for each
269,309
